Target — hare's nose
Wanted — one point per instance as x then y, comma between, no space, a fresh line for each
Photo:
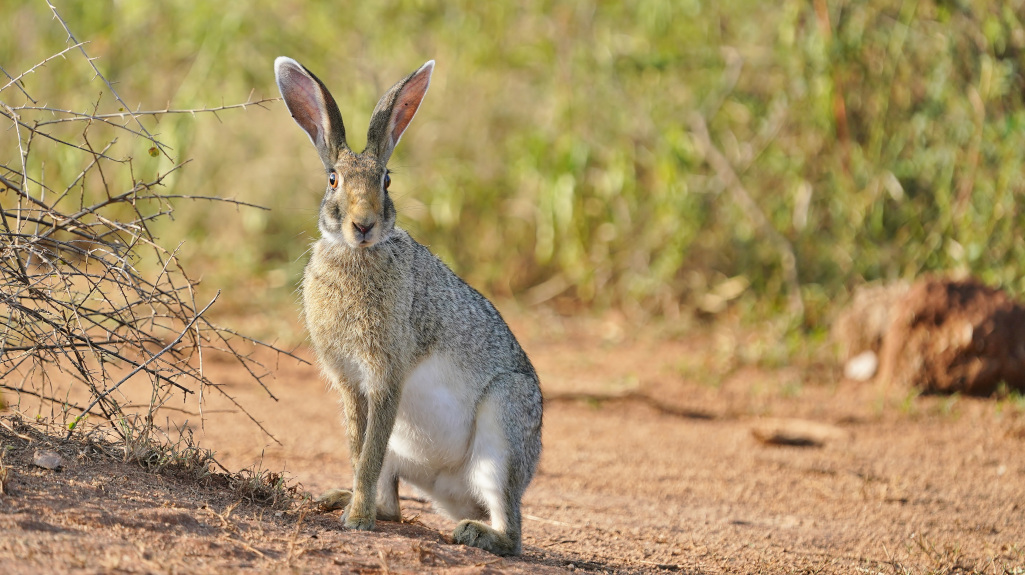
363,228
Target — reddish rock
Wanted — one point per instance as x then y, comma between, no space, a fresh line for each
950,336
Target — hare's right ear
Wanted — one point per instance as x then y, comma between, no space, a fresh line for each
395,110
312,107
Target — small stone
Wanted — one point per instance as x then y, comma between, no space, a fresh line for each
47,460
796,432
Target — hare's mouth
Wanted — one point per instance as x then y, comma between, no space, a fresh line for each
365,240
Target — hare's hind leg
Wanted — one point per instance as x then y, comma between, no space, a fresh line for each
388,493
502,463
478,534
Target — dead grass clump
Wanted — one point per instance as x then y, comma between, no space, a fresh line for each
269,488
157,452
926,557
937,336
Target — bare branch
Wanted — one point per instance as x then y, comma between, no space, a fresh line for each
86,289
16,80
82,117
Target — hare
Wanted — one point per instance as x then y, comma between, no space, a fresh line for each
436,390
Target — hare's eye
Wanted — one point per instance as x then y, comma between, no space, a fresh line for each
332,179
387,180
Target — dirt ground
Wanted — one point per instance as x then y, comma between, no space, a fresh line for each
665,451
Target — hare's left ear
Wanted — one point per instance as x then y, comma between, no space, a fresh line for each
312,107
395,111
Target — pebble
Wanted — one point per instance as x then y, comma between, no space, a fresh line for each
47,460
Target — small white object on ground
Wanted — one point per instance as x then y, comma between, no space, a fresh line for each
862,366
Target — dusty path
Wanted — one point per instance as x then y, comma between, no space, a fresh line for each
670,477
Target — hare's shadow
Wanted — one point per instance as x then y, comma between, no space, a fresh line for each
435,549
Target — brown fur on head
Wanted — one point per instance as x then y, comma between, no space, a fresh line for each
356,210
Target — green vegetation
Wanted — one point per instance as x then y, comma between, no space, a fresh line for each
556,154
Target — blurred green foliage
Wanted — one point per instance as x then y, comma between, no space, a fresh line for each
553,156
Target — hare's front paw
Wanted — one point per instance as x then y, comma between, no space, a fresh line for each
477,534
359,522
333,499
360,514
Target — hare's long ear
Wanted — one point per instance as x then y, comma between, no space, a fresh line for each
312,107
395,111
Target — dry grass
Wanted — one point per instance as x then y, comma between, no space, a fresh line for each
273,489
922,556
5,473
180,457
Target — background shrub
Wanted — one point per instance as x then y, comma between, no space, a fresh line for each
555,156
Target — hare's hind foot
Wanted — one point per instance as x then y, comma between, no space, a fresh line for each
483,536
358,522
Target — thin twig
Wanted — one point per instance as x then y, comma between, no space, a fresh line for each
113,92
142,366
631,395
82,117
16,80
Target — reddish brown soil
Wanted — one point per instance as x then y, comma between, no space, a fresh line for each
656,460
